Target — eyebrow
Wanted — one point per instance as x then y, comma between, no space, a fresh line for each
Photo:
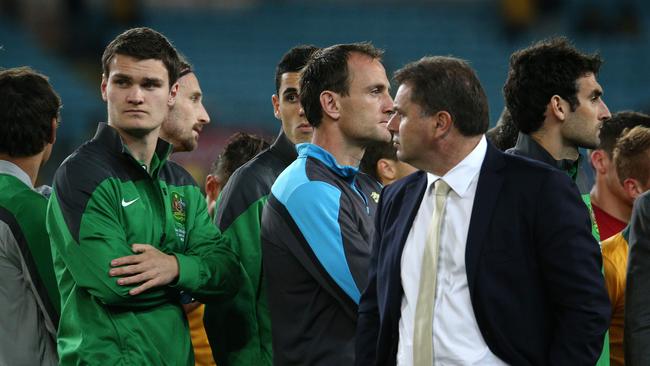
381,87
144,80
156,81
289,91
596,93
197,94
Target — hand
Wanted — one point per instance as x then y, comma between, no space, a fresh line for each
150,268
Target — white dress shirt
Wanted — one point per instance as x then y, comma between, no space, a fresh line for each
457,339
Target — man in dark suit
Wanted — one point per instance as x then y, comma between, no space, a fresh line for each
637,334
502,269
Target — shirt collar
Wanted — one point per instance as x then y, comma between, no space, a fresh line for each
530,148
9,168
460,176
317,152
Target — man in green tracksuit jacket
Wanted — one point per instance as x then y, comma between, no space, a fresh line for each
131,236
29,297
240,330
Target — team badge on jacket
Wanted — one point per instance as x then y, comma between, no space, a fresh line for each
178,211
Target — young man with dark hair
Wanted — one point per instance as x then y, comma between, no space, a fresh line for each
317,223
380,162
556,102
238,216
612,204
631,159
480,258
29,298
131,236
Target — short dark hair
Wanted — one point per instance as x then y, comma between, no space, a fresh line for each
27,107
374,152
632,154
293,61
185,67
449,84
504,135
143,44
240,148
546,68
612,128
328,70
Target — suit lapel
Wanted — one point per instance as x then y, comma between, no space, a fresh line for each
487,193
403,220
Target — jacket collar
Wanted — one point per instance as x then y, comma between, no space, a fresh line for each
108,137
314,151
9,168
284,148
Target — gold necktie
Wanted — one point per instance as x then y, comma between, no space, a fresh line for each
423,333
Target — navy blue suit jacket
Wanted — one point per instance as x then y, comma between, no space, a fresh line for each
533,267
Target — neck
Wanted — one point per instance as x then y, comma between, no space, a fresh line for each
344,151
449,153
607,201
554,144
142,147
30,164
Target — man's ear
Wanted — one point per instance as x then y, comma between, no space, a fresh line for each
632,187
330,103
53,134
103,87
598,161
386,170
212,187
275,100
173,92
558,107
442,123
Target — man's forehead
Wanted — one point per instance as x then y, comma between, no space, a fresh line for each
131,66
403,94
588,83
289,80
189,82
364,66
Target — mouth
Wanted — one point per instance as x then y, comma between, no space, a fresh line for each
135,111
304,127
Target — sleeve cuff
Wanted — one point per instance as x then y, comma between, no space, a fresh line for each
188,273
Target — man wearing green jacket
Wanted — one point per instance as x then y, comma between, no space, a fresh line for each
240,330
29,298
131,236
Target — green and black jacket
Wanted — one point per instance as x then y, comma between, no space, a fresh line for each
104,201
240,330
29,297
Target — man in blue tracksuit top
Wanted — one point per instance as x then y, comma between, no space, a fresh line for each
317,225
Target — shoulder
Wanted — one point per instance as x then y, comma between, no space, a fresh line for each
615,248
398,188
84,170
174,174
257,174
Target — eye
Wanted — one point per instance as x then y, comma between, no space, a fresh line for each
121,82
149,85
292,98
